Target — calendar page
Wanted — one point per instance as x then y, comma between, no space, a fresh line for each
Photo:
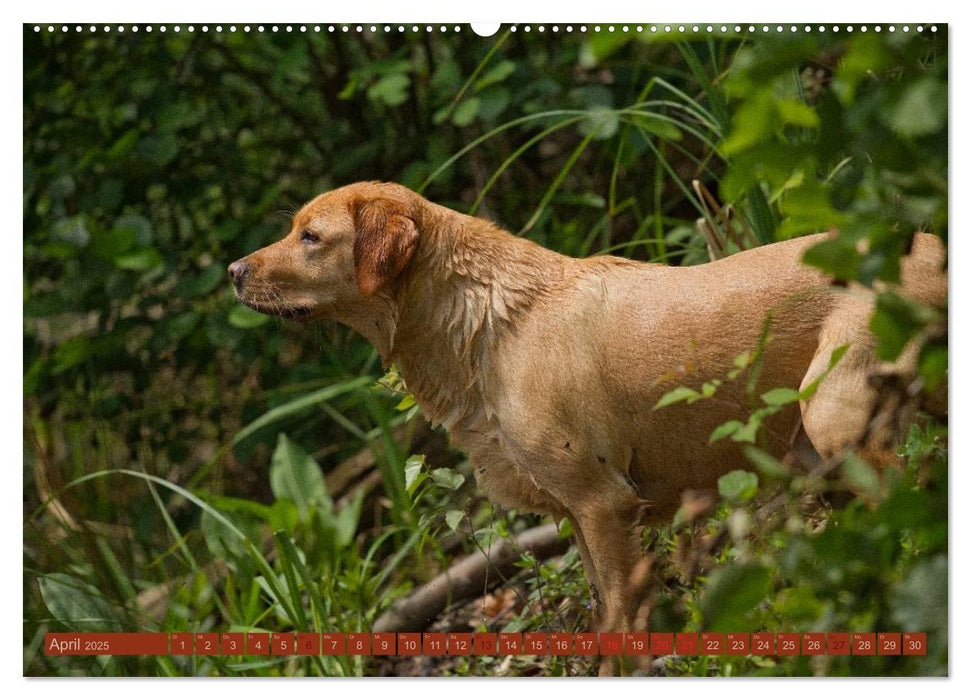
397,349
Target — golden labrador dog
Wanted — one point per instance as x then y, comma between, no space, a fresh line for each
546,369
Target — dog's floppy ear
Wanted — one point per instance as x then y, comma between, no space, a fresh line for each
384,242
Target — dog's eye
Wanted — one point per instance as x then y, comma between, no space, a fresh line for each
308,237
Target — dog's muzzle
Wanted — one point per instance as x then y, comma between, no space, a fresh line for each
238,272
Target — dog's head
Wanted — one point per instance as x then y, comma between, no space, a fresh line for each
345,248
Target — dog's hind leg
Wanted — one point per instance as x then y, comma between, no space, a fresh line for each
862,402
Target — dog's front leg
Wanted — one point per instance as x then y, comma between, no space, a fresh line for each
610,531
590,572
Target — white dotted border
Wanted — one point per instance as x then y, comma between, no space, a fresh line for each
415,28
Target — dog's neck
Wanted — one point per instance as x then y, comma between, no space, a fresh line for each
468,281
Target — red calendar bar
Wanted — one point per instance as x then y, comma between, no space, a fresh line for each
409,643
485,644
333,644
106,643
359,643
787,644
585,644
308,643
459,643
257,643
763,643
561,644
433,643
813,643
180,644
736,644
231,643
207,643
915,643
383,643
864,644
636,644
662,643
687,643
888,643
712,643
536,643
510,643
837,643
611,643
282,644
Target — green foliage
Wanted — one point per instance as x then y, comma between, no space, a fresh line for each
731,595
738,485
876,563
847,133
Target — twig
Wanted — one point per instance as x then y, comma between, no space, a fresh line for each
467,578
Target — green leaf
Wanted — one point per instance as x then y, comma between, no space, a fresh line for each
283,515
682,393
181,325
466,111
123,146
204,282
299,404
600,45
159,150
413,466
137,223
798,114
745,359
295,475
861,477
895,322
496,74
244,317
933,365
453,518
407,402
755,121
738,485
724,430
656,125
73,230
600,123
112,243
780,396
391,89
75,604
810,209
347,520
730,594
494,102
768,466
750,430
140,260
447,478
919,602
73,352
921,110
837,257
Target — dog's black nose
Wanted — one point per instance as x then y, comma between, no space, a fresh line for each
238,271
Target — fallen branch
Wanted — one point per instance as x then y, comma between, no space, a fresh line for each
471,576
